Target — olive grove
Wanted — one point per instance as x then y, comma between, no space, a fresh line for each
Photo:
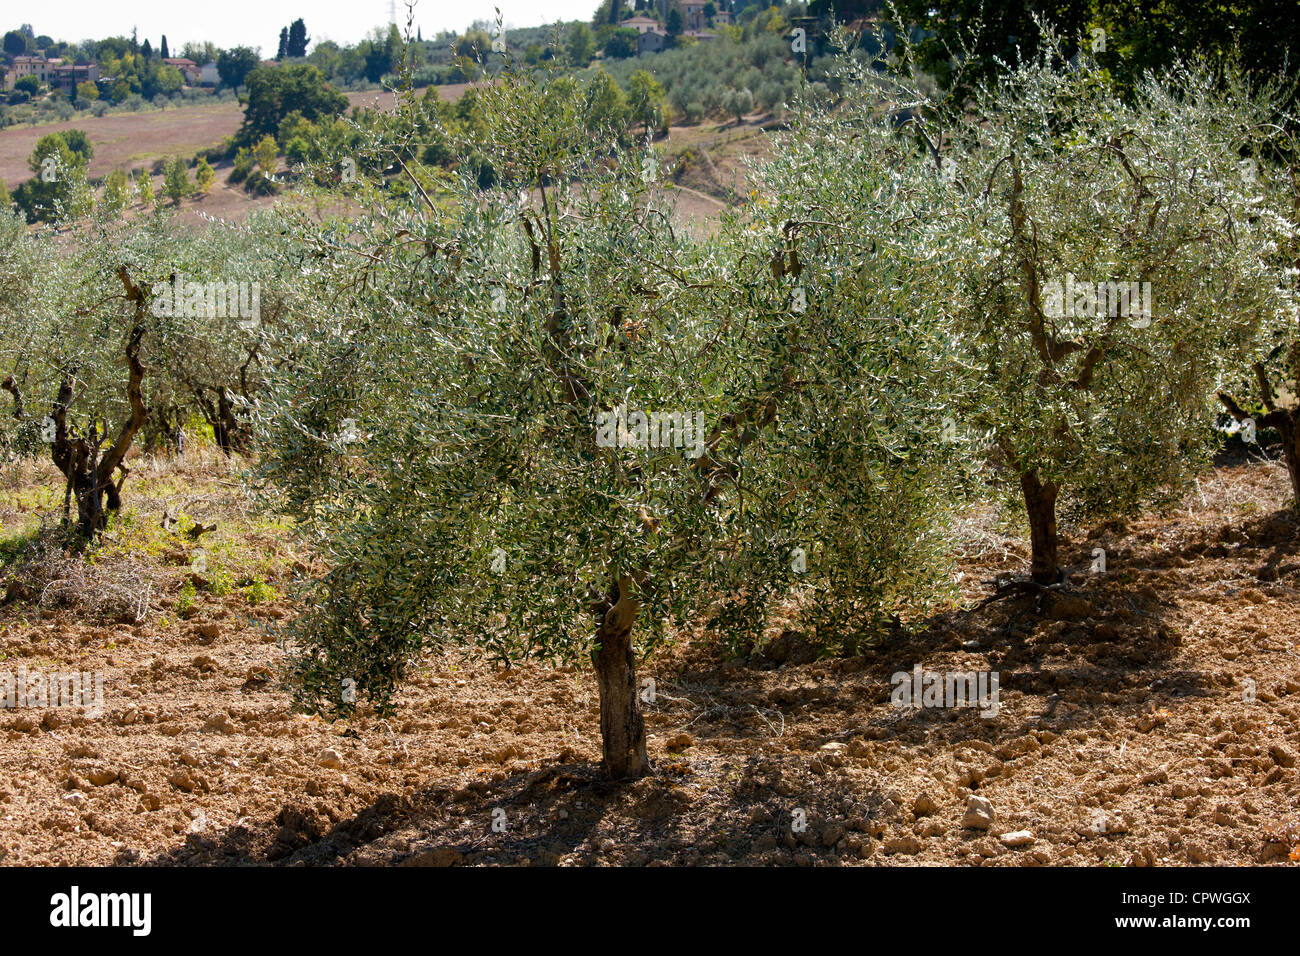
513,404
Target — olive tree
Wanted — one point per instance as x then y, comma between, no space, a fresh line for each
1266,394
210,349
73,365
540,420
176,183
20,276
1103,270
131,328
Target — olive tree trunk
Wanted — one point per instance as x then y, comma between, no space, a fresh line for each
622,729
1040,507
1291,454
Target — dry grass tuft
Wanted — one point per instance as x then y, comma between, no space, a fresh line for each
51,574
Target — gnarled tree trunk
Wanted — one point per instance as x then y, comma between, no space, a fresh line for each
622,729
163,434
227,431
88,467
79,461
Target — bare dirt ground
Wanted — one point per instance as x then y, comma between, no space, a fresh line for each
709,172
1127,735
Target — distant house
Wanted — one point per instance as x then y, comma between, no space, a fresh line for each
652,41
640,24
189,69
208,75
36,66
67,76
700,35
692,16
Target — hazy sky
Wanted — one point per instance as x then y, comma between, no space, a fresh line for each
257,22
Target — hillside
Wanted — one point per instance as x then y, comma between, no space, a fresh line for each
135,140
707,160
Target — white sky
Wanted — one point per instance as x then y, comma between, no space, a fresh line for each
255,23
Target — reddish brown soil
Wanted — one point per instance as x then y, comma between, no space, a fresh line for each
1124,737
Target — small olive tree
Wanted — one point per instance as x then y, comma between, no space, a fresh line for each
539,419
1104,270
71,352
117,192
129,330
176,183
210,353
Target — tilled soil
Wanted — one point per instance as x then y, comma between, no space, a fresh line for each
1149,715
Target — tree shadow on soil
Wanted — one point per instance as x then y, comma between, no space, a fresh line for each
1095,652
